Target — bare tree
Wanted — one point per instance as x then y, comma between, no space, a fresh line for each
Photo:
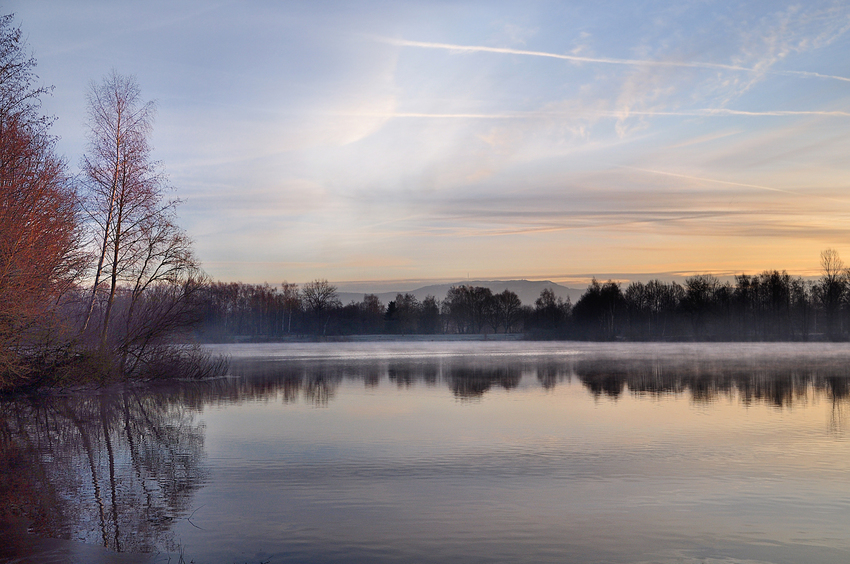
291,301
469,308
20,98
38,206
508,309
319,295
831,288
125,186
550,311
153,277
165,271
320,298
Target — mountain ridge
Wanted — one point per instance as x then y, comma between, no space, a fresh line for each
527,290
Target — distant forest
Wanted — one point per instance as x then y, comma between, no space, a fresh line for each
770,306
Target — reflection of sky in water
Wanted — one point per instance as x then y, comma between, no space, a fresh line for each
722,455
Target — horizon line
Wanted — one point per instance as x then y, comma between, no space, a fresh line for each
560,279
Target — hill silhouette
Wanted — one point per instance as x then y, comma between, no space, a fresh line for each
527,290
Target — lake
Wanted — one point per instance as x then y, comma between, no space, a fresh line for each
443,451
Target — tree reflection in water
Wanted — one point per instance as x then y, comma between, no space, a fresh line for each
118,467
468,382
113,468
780,383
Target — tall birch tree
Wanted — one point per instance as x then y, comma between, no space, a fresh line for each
125,186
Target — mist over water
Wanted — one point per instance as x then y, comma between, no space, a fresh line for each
474,451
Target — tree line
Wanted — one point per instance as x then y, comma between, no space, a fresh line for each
770,306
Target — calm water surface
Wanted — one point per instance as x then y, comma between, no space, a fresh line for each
444,451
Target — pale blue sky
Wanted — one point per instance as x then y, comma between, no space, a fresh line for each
440,140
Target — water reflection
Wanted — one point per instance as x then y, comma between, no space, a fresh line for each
780,383
473,381
316,382
113,468
119,467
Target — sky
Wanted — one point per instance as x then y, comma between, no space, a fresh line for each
410,142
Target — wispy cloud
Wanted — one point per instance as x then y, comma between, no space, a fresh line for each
775,113
713,180
601,60
617,114
712,222
713,136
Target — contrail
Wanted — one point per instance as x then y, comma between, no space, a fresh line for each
780,113
727,182
603,60
594,220
516,115
703,112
